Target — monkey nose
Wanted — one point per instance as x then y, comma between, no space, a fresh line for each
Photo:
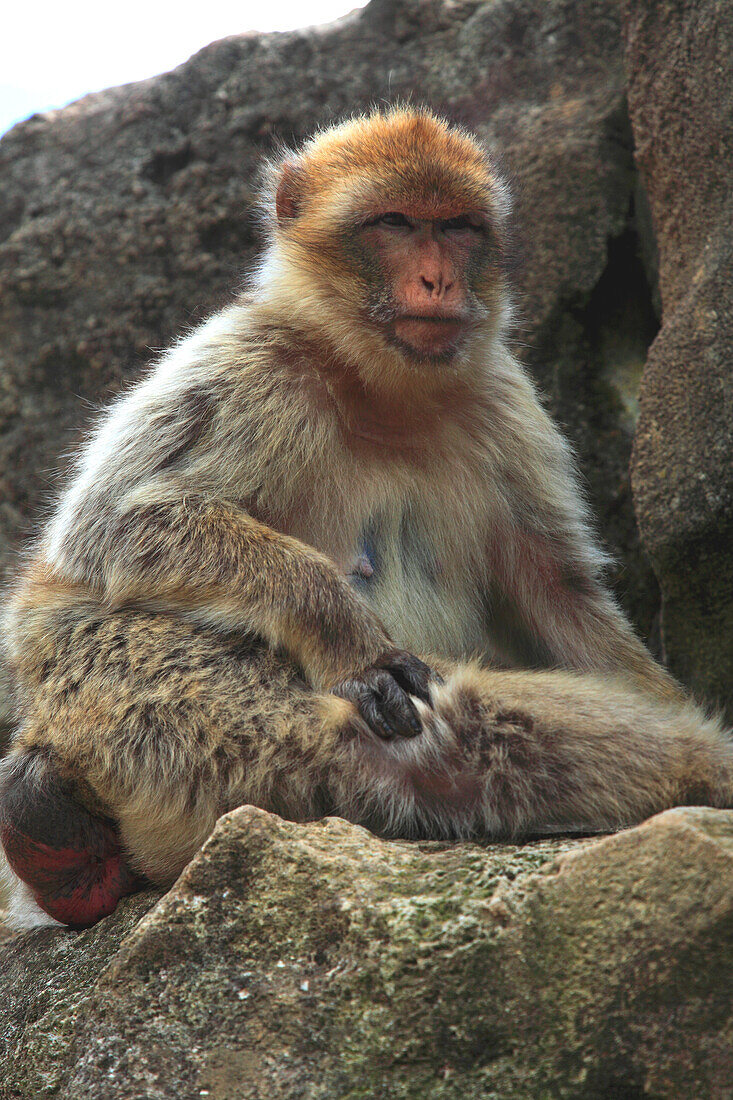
436,286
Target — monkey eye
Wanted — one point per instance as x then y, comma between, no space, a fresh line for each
392,219
459,223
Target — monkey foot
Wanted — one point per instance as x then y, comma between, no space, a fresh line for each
71,860
77,886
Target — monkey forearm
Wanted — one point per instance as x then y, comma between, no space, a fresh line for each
566,616
595,636
589,633
214,563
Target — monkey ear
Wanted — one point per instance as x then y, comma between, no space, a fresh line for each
289,191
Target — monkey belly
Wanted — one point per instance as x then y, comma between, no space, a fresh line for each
418,572
423,610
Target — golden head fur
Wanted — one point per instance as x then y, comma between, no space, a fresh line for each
317,199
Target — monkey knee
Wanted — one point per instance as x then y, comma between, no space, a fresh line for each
464,705
72,861
497,736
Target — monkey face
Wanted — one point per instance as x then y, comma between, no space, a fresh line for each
392,226
423,298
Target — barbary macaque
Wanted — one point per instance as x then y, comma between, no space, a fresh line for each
330,557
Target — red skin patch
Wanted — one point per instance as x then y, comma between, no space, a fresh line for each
457,790
77,886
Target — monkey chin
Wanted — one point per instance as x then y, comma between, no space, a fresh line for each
428,341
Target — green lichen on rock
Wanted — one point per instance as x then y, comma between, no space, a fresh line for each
319,961
47,978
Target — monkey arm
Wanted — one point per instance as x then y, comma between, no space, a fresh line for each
562,614
546,581
212,562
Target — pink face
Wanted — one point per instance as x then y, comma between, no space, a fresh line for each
428,263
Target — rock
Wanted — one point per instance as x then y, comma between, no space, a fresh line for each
681,104
319,961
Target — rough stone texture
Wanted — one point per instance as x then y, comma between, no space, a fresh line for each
317,961
126,217
681,102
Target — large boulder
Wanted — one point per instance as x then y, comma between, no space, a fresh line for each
681,103
318,961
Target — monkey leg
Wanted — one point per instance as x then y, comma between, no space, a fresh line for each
510,753
137,732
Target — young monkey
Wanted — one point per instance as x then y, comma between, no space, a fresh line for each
343,469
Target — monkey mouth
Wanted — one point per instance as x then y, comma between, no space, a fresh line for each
430,337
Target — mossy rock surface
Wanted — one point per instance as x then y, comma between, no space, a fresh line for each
319,961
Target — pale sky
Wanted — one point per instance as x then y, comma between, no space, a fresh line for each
53,52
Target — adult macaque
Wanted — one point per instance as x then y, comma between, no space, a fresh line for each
343,469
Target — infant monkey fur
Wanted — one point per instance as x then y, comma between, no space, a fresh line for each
343,469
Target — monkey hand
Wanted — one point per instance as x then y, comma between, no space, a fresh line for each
382,693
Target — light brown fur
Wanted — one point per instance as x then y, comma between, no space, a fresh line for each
198,592
167,725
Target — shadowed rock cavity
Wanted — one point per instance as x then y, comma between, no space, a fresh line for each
589,358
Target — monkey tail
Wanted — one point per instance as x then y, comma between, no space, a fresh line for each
72,861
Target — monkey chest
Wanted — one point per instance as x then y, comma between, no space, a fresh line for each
420,585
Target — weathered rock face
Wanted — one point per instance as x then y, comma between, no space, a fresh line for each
681,104
317,961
